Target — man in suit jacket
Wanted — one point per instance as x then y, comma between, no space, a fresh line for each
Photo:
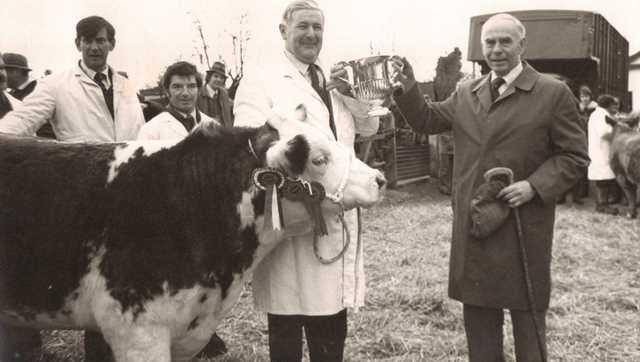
291,285
531,126
89,102
213,99
7,102
18,78
22,84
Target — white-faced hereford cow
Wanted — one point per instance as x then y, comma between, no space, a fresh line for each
151,243
625,158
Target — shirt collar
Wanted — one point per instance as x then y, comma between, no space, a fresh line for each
303,68
511,76
210,92
184,115
92,73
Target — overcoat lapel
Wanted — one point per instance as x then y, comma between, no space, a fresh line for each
483,93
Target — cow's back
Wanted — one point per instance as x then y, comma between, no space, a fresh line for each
51,214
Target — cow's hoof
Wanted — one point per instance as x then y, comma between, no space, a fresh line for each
215,347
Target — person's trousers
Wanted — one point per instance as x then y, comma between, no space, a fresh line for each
325,337
96,348
483,327
18,344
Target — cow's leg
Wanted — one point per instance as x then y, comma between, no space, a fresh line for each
18,344
96,348
140,343
630,193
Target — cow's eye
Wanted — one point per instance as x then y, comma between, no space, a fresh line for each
319,161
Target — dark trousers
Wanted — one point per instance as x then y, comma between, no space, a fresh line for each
96,348
483,327
325,337
18,344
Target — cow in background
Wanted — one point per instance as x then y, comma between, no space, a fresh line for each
625,157
151,242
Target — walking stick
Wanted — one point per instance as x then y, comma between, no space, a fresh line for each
501,172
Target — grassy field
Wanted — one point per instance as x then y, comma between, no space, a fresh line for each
595,305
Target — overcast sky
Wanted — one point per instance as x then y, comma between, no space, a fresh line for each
151,34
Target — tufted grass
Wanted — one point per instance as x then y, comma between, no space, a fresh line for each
594,313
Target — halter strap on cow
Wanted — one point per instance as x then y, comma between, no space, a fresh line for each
276,184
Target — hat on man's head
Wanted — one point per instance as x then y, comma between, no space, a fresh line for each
14,60
219,68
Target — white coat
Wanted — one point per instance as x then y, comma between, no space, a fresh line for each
290,280
165,126
599,168
77,110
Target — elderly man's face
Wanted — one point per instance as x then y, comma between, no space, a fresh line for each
182,93
303,34
95,51
502,46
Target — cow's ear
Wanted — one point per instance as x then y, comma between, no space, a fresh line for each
610,121
297,154
264,138
633,122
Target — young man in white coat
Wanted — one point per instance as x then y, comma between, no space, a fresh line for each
89,102
181,83
295,289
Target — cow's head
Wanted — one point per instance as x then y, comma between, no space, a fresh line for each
305,151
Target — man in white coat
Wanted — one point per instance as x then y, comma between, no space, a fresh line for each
599,170
295,289
90,102
181,83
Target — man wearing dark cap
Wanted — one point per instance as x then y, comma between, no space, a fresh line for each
213,99
18,78
90,102
7,102
22,84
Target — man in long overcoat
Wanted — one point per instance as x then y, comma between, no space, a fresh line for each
512,117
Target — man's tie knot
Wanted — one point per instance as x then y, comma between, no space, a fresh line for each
99,78
189,122
497,83
315,79
495,86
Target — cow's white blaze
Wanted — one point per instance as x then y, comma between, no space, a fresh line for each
122,154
